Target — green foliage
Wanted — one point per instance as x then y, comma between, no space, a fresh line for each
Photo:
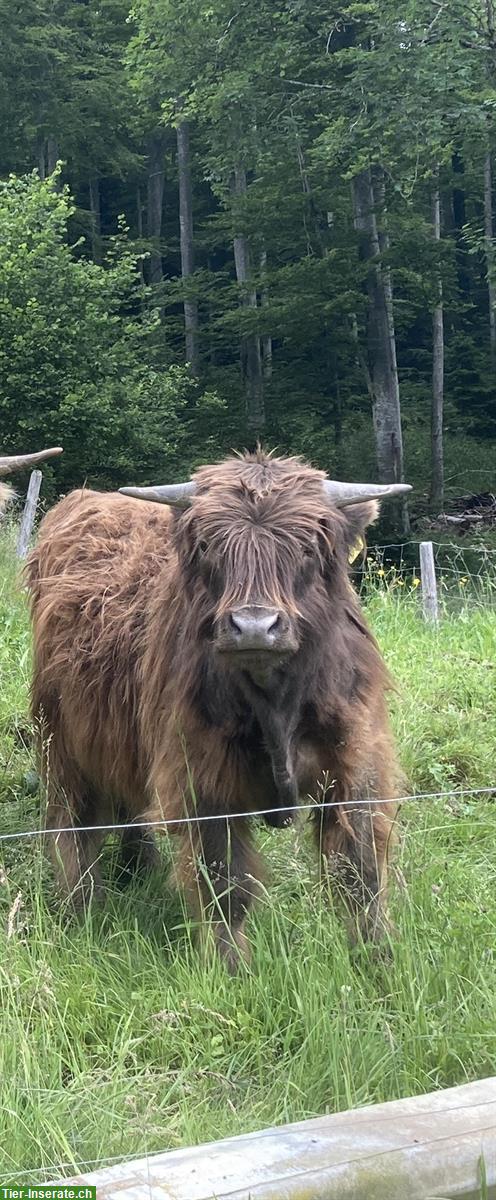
62,76
300,101
303,101
81,362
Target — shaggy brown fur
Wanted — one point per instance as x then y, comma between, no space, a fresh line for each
140,717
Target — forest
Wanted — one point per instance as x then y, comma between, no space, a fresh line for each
224,223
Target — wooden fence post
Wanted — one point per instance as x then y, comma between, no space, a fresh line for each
29,514
428,580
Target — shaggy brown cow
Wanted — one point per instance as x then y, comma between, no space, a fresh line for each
15,462
211,658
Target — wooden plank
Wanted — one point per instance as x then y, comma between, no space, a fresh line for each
429,583
29,513
423,1148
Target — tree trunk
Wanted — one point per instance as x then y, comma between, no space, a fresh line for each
96,226
187,245
250,347
155,196
491,26
459,221
48,157
212,348
139,227
382,371
379,200
437,463
42,158
266,339
338,416
52,153
489,247
307,191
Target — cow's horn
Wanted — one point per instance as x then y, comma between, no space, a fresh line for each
15,462
178,494
342,494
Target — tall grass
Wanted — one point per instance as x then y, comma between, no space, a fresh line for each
116,1040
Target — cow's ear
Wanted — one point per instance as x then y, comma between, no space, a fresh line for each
356,519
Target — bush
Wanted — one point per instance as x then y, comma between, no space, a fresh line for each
82,356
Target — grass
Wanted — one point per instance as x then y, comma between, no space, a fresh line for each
116,1041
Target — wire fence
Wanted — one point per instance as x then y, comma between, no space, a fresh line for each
466,578
465,573
314,806
456,547
31,1098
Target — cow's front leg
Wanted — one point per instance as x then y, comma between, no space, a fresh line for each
219,870
287,791
354,841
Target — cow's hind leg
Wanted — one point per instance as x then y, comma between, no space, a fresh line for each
74,852
69,807
354,841
73,849
219,870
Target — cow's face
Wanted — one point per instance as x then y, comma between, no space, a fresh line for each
257,576
262,545
265,564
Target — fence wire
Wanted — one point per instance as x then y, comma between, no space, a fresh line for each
68,1167
465,572
200,818
476,547
388,564
267,1134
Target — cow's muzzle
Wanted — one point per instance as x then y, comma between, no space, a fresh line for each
255,630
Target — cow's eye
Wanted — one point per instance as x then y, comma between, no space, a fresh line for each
203,546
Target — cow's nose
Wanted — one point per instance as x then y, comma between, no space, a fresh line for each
255,628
